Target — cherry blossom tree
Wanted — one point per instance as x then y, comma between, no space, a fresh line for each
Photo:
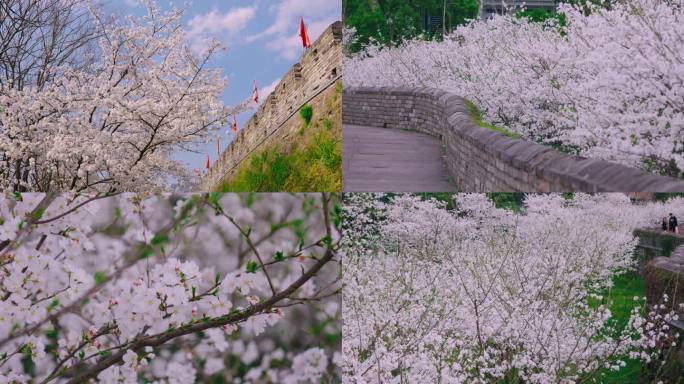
606,84
98,104
170,289
479,294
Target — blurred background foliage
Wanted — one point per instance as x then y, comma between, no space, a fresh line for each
389,22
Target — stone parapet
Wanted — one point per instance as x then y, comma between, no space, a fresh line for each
482,160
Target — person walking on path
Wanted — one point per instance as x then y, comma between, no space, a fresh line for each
673,225
663,223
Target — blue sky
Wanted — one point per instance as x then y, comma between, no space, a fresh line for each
262,41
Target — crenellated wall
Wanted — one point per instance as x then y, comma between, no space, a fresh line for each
313,77
482,160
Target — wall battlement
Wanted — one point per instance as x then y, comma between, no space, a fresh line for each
317,70
482,160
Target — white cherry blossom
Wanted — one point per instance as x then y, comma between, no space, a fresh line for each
152,287
608,84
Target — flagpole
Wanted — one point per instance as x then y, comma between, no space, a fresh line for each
218,147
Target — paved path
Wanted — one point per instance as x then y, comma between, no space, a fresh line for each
392,160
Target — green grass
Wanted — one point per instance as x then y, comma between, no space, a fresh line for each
312,162
620,301
316,166
620,298
476,115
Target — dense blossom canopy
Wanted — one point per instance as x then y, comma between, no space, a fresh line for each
239,288
607,84
478,294
112,119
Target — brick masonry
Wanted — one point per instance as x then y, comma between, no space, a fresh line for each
654,243
664,275
307,82
481,160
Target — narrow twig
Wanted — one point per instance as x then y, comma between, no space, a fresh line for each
65,213
251,245
161,338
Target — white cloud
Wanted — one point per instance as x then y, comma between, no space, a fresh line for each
289,11
284,32
215,22
290,46
267,90
132,3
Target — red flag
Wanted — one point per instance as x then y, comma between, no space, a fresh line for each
207,165
234,126
256,93
303,34
218,147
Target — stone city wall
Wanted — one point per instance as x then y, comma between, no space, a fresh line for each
664,276
654,243
312,78
482,160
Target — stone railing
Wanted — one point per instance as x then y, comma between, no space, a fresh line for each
664,275
482,160
654,242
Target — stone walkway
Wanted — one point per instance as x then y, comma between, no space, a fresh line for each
392,160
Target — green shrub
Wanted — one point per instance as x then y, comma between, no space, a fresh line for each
306,114
280,171
508,200
663,168
665,196
539,15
